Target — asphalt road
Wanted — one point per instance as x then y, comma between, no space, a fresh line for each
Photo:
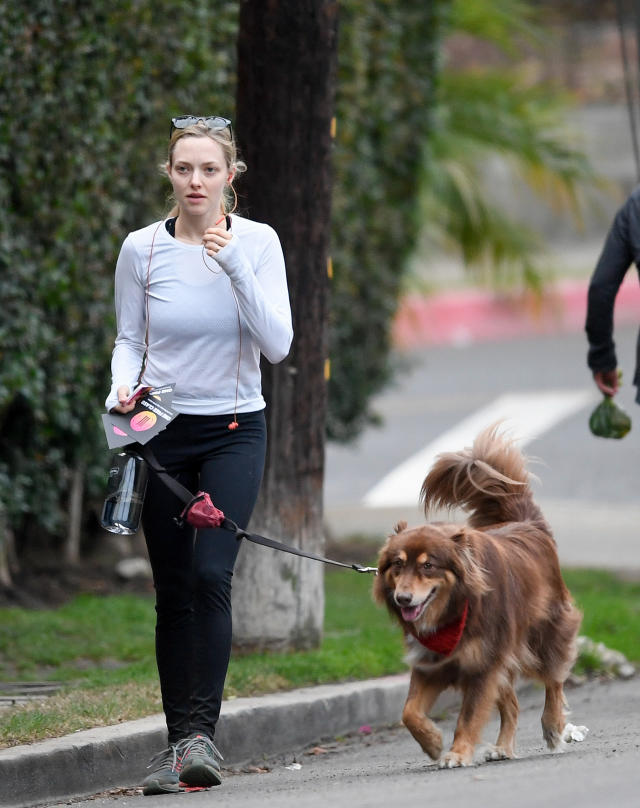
588,490
388,768
586,485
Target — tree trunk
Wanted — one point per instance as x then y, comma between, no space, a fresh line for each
7,550
71,550
286,77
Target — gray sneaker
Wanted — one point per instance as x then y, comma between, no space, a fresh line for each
200,765
165,777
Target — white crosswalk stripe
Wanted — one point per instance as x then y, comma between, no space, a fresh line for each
525,416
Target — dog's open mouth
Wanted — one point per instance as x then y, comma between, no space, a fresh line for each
412,613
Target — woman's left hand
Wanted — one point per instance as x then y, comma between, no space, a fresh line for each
215,238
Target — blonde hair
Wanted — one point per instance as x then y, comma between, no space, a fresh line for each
224,138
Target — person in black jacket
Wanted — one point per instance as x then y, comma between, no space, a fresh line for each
621,249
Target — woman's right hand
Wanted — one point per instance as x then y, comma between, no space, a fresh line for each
123,394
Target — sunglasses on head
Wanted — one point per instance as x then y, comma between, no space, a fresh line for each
214,122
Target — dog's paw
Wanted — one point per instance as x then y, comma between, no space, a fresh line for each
453,760
552,738
498,753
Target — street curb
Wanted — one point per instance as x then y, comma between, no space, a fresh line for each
463,316
249,729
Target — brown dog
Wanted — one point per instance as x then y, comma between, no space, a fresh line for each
481,602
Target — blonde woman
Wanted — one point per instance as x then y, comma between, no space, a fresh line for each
199,297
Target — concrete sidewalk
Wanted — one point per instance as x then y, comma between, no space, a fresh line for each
249,729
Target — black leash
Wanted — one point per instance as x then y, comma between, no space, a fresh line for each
287,548
187,497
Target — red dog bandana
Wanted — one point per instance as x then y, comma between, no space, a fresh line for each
445,639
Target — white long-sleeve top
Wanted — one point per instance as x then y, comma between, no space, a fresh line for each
194,333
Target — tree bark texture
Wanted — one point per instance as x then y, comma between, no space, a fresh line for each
74,532
7,550
286,77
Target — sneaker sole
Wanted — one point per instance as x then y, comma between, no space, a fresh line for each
200,774
155,787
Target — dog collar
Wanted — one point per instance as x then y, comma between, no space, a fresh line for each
444,640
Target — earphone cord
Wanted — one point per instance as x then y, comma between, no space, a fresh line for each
145,358
233,424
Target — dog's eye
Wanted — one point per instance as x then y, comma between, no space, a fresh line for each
398,564
427,565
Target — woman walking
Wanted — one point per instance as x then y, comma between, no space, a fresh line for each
199,297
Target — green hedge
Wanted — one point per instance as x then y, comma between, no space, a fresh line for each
388,60
87,90
86,94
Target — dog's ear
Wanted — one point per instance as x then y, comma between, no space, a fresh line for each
400,526
379,591
379,583
460,537
384,557
471,574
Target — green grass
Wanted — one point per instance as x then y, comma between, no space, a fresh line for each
610,608
102,650
92,639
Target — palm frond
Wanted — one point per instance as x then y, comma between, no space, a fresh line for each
484,114
504,23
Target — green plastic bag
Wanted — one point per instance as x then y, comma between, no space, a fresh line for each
608,420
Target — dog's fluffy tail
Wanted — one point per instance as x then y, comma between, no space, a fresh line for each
489,481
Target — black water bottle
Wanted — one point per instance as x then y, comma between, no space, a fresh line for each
126,487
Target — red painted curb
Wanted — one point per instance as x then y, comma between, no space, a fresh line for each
475,315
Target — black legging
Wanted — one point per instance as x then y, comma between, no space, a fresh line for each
193,578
